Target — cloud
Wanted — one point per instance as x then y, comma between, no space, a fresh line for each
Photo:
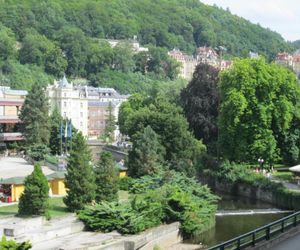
278,15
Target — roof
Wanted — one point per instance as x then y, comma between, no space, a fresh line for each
295,169
121,167
57,175
13,180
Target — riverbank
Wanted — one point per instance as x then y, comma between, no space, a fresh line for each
260,188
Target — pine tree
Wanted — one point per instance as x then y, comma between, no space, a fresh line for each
55,123
34,200
146,154
107,177
34,116
110,123
80,179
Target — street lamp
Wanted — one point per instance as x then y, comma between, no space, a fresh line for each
260,162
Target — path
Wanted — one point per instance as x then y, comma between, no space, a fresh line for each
292,243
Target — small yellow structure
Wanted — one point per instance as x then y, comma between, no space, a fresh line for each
57,183
14,187
122,169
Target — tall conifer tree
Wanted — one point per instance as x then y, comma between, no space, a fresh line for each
146,154
34,200
107,177
34,116
110,123
80,179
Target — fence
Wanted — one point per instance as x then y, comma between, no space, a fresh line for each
260,234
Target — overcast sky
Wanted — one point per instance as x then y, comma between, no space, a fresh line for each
282,16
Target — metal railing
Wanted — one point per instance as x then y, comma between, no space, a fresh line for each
260,234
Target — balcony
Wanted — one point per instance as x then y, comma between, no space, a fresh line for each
11,137
11,119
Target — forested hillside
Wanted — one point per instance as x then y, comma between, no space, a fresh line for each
40,40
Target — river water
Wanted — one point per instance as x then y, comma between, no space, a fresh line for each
228,227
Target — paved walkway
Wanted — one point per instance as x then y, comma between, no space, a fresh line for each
292,243
17,167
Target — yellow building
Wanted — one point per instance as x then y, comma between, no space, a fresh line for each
12,188
57,183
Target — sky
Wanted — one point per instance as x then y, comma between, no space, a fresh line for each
282,16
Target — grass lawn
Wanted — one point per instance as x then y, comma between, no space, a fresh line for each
57,208
123,196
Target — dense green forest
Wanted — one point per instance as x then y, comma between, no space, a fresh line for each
41,40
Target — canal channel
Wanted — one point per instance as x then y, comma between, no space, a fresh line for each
230,226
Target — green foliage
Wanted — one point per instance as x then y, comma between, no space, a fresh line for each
7,44
175,197
13,245
34,116
125,183
37,49
182,150
38,152
107,178
80,179
200,101
283,176
146,154
20,76
258,109
34,199
55,141
59,35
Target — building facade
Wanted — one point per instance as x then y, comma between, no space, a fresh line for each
85,106
11,102
205,55
72,103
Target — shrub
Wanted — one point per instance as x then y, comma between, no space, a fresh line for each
125,183
38,152
12,245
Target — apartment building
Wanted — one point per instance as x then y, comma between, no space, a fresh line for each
11,102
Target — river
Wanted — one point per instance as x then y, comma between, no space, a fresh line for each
228,227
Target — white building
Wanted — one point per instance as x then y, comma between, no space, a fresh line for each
72,103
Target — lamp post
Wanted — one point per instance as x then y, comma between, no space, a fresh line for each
261,162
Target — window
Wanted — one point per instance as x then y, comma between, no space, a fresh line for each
81,124
81,105
81,114
65,104
65,114
65,94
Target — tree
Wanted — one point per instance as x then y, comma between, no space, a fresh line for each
107,177
55,136
37,49
7,43
80,180
259,103
123,58
167,120
110,123
75,46
200,100
146,154
34,199
34,116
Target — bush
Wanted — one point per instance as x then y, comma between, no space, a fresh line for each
12,245
38,152
51,159
158,199
125,183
